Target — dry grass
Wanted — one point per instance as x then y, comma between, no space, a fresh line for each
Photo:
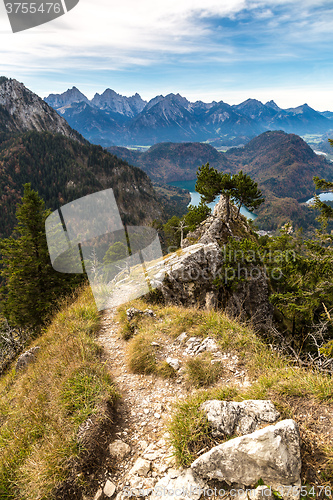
141,356
201,372
272,377
43,406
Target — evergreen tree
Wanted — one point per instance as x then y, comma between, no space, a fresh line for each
172,234
239,187
211,183
31,285
195,215
246,192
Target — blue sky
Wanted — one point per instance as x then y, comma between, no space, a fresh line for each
229,50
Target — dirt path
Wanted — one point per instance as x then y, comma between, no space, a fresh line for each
146,401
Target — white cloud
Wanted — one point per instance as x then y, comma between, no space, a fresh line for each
139,33
97,36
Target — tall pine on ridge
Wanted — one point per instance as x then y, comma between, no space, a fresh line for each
31,285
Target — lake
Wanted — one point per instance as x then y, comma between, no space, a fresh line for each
323,197
195,197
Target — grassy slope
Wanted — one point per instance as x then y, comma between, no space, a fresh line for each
43,406
298,393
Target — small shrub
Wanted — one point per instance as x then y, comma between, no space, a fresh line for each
141,357
201,372
127,330
84,390
164,370
189,430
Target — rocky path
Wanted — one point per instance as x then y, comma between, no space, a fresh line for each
140,461
145,407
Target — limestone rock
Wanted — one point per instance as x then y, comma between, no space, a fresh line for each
180,339
99,494
154,452
141,467
197,345
109,489
271,454
190,278
183,486
216,229
132,312
119,450
26,358
173,362
231,417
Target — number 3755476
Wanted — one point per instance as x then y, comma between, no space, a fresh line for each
33,8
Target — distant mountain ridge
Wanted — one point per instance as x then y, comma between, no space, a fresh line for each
38,146
282,164
168,162
112,119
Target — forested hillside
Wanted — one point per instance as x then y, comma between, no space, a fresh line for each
61,170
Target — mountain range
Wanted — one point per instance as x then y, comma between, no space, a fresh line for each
38,146
112,119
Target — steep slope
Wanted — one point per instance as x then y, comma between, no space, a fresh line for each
22,110
168,162
62,170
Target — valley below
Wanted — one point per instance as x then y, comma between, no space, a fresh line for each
282,164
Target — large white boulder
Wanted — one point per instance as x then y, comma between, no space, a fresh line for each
231,417
271,454
181,485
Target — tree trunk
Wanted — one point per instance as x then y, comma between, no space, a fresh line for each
227,199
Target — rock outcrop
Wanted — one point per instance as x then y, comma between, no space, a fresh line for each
271,454
26,358
215,229
199,273
230,417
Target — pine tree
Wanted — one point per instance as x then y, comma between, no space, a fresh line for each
246,192
211,183
238,187
31,286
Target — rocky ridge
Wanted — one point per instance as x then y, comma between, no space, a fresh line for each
22,110
196,276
